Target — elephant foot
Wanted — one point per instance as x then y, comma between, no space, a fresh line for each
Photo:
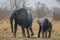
24,36
45,36
48,37
42,37
28,36
14,36
32,34
38,36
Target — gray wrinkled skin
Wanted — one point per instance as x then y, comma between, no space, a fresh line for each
22,18
44,26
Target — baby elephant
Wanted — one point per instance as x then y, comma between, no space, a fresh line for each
44,26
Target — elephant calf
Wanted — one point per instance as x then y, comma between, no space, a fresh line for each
44,26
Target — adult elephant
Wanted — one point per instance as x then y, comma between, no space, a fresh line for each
44,26
24,19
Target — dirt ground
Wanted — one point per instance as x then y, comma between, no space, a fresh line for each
6,34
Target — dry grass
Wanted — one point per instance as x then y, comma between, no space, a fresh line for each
5,31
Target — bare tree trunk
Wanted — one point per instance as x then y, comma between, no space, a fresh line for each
16,5
11,4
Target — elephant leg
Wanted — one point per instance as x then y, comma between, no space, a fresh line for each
45,34
49,34
42,34
28,35
23,32
39,32
15,29
31,31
